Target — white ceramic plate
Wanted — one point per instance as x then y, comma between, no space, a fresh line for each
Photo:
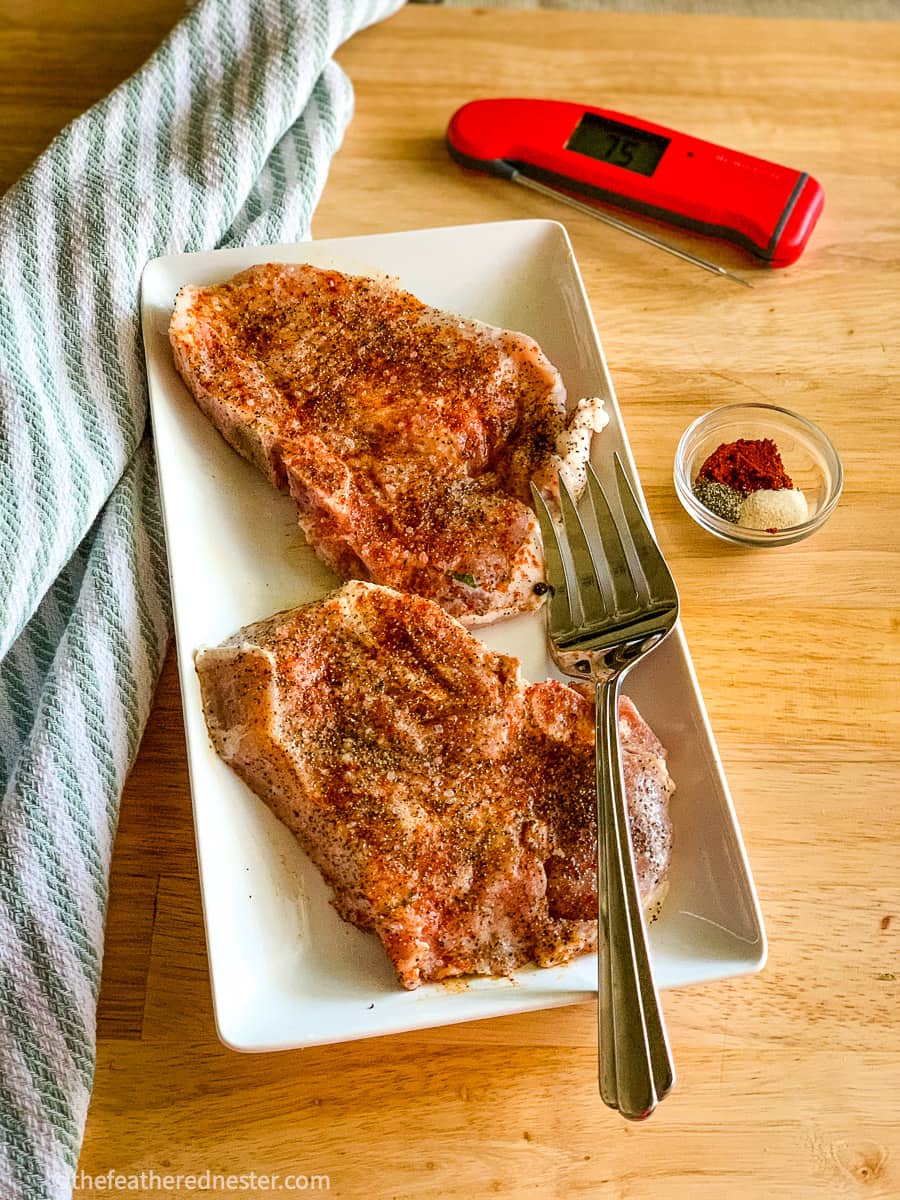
286,970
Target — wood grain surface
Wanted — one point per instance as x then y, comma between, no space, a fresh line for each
788,1081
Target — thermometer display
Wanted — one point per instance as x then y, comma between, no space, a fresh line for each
767,209
617,144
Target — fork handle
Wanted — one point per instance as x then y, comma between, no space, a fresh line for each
636,1068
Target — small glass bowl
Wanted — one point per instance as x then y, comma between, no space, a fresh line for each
808,456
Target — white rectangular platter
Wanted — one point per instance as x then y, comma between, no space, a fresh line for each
286,970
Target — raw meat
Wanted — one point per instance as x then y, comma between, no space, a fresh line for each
407,437
448,804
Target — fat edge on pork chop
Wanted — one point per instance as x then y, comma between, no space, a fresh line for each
408,437
449,805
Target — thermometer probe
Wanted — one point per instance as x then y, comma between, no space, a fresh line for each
634,164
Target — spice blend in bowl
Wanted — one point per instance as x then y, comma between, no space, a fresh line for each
745,482
757,474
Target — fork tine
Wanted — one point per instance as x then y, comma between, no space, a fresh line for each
593,606
560,616
657,574
625,597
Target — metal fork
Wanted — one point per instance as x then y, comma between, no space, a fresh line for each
603,614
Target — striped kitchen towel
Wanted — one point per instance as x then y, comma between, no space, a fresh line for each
222,138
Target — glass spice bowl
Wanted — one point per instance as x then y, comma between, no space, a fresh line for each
808,456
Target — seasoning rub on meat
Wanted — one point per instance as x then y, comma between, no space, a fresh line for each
448,804
408,437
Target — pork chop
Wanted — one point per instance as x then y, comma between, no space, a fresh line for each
407,437
448,804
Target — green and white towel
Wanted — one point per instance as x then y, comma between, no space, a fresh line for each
222,138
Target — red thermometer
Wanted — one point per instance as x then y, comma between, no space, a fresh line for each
547,145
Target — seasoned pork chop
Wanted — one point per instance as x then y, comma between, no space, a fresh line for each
407,437
448,804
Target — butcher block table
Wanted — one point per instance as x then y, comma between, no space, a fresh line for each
787,1080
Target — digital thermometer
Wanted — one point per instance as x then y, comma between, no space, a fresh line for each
634,164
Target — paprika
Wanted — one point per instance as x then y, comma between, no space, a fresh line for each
747,465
